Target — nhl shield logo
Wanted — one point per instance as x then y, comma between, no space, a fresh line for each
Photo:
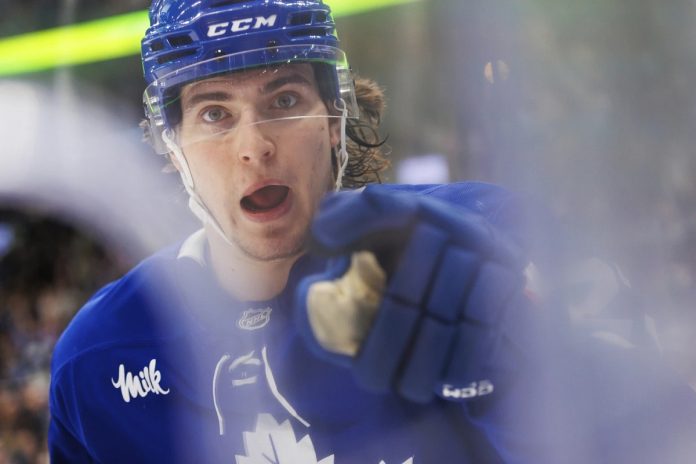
254,319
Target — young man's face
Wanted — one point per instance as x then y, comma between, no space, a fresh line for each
261,176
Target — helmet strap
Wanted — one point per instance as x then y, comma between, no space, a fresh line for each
342,156
195,203
184,170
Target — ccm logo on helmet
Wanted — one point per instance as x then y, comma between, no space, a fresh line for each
240,25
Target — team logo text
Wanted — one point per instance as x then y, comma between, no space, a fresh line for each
241,25
253,319
139,385
473,390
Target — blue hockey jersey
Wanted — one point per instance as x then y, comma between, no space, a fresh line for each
164,366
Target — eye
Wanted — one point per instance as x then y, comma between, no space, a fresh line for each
285,101
214,114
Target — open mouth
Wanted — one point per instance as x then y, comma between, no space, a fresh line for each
265,199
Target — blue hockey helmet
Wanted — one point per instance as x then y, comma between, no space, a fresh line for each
191,40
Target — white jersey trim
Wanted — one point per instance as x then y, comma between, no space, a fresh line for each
194,247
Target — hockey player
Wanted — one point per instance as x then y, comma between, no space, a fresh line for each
388,324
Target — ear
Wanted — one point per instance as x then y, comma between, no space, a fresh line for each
334,131
178,161
174,162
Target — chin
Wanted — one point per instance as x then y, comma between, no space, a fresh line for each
273,249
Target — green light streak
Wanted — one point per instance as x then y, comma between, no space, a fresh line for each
99,40
349,7
109,38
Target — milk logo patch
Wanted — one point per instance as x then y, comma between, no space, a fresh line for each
254,319
140,384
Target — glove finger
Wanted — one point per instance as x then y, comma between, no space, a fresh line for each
482,359
426,361
411,276
469,357
454,279
470,230
473,232
379,358
376,220
493,287
346,218
478,349
430,351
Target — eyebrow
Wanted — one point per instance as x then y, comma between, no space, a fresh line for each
207,96
284,80
269,87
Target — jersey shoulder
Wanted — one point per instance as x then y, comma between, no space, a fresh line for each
129,310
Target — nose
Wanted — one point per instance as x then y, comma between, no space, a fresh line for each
253,143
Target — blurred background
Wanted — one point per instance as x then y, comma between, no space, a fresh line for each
585,108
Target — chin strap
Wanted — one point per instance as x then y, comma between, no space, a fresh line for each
342,155
195,203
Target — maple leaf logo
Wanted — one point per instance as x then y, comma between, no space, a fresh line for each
274,443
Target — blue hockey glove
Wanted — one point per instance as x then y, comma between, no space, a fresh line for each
417,296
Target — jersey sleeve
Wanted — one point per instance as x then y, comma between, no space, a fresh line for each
65,442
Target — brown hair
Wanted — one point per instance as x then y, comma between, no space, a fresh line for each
366,160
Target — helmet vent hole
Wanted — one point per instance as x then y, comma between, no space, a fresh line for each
221,3
272,45
176,55
309,32
157,45
301,18
180,40
320,17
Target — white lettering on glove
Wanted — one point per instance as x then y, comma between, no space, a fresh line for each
482,388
